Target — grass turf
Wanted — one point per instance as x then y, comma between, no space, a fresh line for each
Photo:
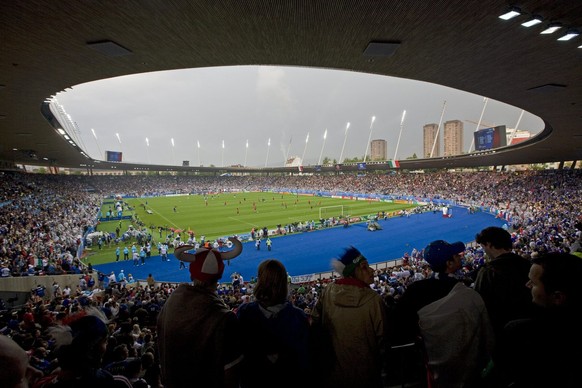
228,214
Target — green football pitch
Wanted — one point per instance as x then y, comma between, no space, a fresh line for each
234,213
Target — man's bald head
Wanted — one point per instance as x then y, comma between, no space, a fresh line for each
14,361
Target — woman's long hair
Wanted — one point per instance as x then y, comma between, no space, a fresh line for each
271,288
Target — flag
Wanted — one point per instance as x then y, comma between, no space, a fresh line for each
393,164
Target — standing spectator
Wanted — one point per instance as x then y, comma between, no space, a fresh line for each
500,282
546,350
198,334
151,281
355,318
275,340
445,260
450,317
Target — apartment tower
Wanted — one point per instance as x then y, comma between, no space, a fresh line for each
378,149
453,137
429,135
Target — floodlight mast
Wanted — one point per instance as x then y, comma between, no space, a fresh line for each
400,134
268,148
148,149
322,146
344,145
305,149
369,138
438,129
485,101
246,152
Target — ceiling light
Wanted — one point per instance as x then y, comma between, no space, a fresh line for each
61,131
533,21
109,48
569,35
552,27
67,137
513,12
381,49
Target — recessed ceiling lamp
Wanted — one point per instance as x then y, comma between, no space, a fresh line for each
109,48
552,27
513,12
569,35
533,21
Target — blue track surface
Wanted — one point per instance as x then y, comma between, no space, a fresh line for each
311,252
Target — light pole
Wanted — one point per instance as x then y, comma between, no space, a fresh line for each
246,152
173,154
485,100
268,148
369,138
148,149
222,153
96,142
198,141
119,140
322,146
344,145
400,134
305,149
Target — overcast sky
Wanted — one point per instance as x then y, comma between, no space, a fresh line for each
255,104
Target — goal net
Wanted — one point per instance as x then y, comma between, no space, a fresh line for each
333,211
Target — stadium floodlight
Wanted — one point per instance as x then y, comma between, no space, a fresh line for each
535,20
173,154
322,146
268,148
369,137
222,163
513,12
61,131
148,149
400,134
246,152
344,145
198,142
96,141
305,149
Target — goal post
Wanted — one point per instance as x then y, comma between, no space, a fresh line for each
333,211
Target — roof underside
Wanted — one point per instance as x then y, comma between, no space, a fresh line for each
45,48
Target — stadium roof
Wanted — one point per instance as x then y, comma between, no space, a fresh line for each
48,46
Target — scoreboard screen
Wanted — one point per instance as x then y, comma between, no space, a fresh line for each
489,138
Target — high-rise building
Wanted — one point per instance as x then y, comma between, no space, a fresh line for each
378,149
429,135
453,138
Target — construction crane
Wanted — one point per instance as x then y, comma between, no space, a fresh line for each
482,124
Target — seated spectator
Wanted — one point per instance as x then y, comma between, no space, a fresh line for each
80,348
